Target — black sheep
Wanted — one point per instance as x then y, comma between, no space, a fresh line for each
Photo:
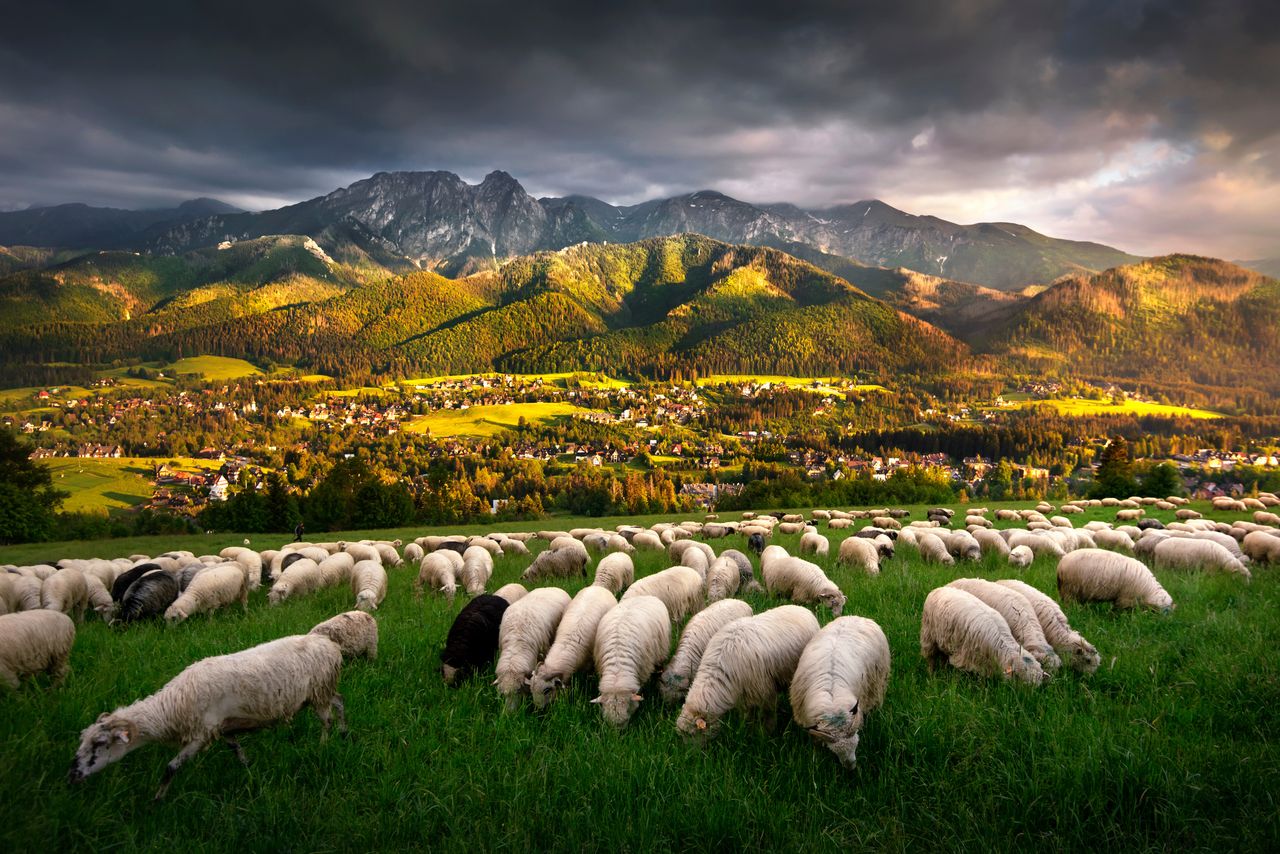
1151,524
126,578
755,542
473,638
148,597
453,546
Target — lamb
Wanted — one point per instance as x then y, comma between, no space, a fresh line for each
679,588
803,582
1180,553
723,579
211,589
1262,547
473,638
300,578
66,591
575,638
556,563
615,572
1097,575
861,553
220,697
933,550
632,640
816,543
35,641
527,629
1023,622
355,633
841,676
368,584
439,574
1081,655
511,592
745,664
1020,557
960,628
149,596
680,671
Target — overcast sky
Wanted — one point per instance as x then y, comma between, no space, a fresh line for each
1152,126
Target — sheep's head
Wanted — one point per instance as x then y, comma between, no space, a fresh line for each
173,615
696,726
1025,668
619,707
1162,600
1084,657
365,601
834,601
107,740
673,686
543,686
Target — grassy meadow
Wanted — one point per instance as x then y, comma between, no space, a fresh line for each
489,420
1082,406
1172,744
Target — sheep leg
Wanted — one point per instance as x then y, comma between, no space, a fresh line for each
58,670
239,751
188,750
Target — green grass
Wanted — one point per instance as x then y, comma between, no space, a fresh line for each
1080,406
212,368
114,483
1171,745
489,420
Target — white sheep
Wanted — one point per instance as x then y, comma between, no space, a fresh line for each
679,672
1081,655
1180,553
511,592
803,582
414,553
1262,546
696,560
439,574
219,697
1020,557
575,638
841,676
615,572
632,640
647,541
65,591
1097,575
27,591
100,597
1023,622
210,590
528,627
933,550
1116,541
355,633
300,578
860,552
724,576
745,665
368,585
35,641
679,588
477,569
816,543
961,545
990,542
249,559
969,634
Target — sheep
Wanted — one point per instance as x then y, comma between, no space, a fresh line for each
962,546
355,633
679,673
1262,547
632,640
933,550
723,579
816,543
990,542
1040,544
1097,575
438,573
27,591
970,635
1005,515
841,676
249,559
647,541
149,596
744,665
99,597
511,592
1180,553
126,578
1081,655
1020,557
300,578
220,697
572,545
862,553
336,569
696,560
575,638
556,563
414,553
472,640
66,591
615,572
35,641
1186,514
477,569
803,582
211,589
527,629
1117,541
746,573
368,585
1024,625
679,588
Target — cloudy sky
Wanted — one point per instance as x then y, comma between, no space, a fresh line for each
1152,126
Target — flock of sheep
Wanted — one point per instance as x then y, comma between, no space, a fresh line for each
726,657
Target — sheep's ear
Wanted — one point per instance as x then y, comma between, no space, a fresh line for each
494,683
700,723
637,697
853,710
598,700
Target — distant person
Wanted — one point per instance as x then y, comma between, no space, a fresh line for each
298,532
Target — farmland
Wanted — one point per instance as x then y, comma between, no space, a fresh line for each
489,420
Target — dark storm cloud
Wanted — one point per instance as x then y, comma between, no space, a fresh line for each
1149,125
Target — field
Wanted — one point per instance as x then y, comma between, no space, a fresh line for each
1080,406
586,379
489,420
1172,744
212,368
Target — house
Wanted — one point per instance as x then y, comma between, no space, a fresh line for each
218,489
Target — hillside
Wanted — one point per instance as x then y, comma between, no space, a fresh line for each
962,309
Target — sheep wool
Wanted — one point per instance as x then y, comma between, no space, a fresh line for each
473,638
368,585
841,676
632,640
1081,655
575,639
816,543
148,597
527,629
355,633
1178,553
437,573
861,553
680,671
960,629
724,577
511,592
36,641
933,549
65,591
99,597
1262,546
615,572
1024,625
679,588
216,697
300,578
745,664
210,590
1097,575
803,582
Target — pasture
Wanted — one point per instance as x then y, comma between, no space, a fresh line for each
1172,744
1081,406
489,420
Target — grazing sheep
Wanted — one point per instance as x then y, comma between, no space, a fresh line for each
990,542
477,569
933,550
679,672
368,585
99,597
1186,514
1020,557
961,545
816,543
696,560
1182,553
26,592
556,563
632,640
36,641
744,665
336,569
300,578
615,572
126,578
511,592
861,553
841,676
439,574
1116,541
575,638
1040,544
355,633
723,578
679,588
746,573
961,629
210,590
1080,654
1262,547
472,641
65,591
1097,575
1024,625
527,629
149,596
220,697
647,541
803,582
